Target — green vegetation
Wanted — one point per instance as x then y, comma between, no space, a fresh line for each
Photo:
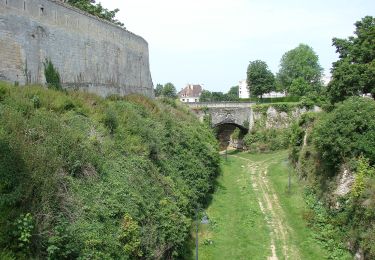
97,10
266,140
347,132
324,149
260,79
92,178
52,75
300,72
354,73
208,96
286,107
295,208
238,229
287,99
168,90
158,90
276,136
299,76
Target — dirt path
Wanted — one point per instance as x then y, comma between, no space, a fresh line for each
280,246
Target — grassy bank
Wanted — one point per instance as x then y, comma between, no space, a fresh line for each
92,178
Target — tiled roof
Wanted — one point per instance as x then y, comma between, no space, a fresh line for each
191,91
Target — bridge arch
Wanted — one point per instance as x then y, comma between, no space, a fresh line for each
228,135
225,118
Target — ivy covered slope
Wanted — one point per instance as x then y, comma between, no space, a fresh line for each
92,178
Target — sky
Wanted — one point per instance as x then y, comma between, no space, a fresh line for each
211,42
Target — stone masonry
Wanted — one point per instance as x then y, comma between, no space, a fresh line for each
89,53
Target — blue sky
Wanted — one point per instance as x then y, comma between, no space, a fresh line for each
211,42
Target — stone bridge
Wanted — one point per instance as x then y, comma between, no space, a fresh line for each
225,117
223,113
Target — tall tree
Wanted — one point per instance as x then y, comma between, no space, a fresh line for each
354,72
300,71
158,90
218,96
169,90
205,96
259,78
232,94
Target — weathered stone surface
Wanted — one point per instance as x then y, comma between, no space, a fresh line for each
245,116
276,119
239,116
344,183
90,54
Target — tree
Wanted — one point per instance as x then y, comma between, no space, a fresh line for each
347,132
97,10
169,90
205,96
300,71
354,72
158,90
259,78
218,96
232,94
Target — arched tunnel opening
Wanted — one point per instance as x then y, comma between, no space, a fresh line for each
230,135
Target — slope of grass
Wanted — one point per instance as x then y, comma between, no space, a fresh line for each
92,178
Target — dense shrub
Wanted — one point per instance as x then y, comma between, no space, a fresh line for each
323,148
263,140
82,176
279,107
347,132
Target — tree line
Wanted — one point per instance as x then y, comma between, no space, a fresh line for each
300,73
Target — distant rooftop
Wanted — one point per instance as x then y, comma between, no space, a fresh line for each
191,91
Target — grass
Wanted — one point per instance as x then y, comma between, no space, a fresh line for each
294,207
237,228
240,230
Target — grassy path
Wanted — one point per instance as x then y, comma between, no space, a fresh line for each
252,216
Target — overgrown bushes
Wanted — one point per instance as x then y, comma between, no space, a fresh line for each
347,132
325,149
99,178
263,140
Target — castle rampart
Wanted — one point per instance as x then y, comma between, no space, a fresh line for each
90,54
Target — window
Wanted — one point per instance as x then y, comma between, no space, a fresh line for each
183,100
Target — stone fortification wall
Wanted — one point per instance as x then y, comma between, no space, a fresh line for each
90,54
